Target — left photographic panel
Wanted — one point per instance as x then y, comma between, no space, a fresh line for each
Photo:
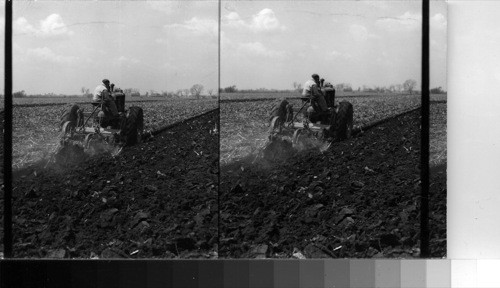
115,129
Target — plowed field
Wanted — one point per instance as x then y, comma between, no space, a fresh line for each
154,200
358,199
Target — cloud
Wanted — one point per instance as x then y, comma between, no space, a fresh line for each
258,49
128,60
47,55
233,19
51,26
406,22
199,26
382,5
21,25
360,33
166,7
438,21
264,21
337,55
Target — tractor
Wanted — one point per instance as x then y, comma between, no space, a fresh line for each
306,125
98,129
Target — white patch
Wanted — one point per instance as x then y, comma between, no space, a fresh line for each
259,49
407,21
51,26
264,21
197,25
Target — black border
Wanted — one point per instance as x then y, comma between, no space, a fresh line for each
7,134
424,139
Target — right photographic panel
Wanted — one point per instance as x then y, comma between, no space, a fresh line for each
320,126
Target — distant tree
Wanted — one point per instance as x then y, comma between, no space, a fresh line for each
210,92
437,90
230,89
297,86
153,93
409,85
343,87
367,89
19,94
85,92
196,90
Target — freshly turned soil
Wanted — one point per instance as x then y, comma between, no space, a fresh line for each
154,200
360,198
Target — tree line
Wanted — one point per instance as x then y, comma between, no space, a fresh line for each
406,87
196,91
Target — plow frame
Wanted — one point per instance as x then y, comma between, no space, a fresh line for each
86,132
295,128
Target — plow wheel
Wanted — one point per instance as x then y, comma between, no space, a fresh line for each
298,138
133,126
304,139
67,129
343,121
95,144
73,115
275,126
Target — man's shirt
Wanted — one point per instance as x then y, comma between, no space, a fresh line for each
310,88
99,93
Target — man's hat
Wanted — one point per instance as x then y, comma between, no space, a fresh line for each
315,76
105,81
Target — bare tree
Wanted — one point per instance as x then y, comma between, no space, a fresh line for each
85,92
196,90
186,92
297,86
409,85
210,92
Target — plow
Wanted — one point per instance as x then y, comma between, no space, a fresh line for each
296,129
89,133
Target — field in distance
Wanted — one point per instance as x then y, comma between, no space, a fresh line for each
49,100
297,94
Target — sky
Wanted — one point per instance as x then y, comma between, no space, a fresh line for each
61,46
272,44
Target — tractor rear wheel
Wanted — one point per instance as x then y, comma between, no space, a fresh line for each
343,121
133,126
73,115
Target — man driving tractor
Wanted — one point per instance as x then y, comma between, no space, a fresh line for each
313,92
103,93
